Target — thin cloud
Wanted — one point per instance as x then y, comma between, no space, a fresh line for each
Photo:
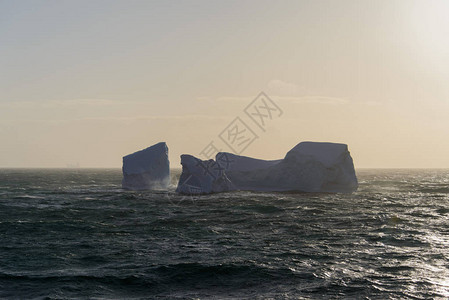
86,102
278,87
316,99
225,99
120,119
283,91
291,99
66,103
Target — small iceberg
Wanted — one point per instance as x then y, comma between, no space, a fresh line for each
147,169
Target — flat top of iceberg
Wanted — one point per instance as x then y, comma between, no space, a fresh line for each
233,162
144,160
325,152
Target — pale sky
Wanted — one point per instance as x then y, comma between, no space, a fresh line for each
87,82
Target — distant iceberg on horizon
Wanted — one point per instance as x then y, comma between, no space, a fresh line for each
307,167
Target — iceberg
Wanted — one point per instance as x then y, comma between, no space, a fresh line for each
201,177
308,167
147,169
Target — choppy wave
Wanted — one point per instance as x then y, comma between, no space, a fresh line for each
76,234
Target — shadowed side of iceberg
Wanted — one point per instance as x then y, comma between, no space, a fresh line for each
147,169
201,177
308,167
232,162
333,160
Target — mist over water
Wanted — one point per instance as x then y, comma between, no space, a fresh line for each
76,233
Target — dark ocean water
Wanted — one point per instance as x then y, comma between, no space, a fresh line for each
75,234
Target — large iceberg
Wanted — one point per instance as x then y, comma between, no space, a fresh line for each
308,167
147,169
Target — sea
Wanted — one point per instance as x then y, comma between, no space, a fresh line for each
75,234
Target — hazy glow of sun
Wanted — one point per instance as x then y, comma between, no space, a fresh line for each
78,84
430,27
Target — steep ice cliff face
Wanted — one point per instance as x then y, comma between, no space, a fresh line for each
326,167
147,169
308,167
201,176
